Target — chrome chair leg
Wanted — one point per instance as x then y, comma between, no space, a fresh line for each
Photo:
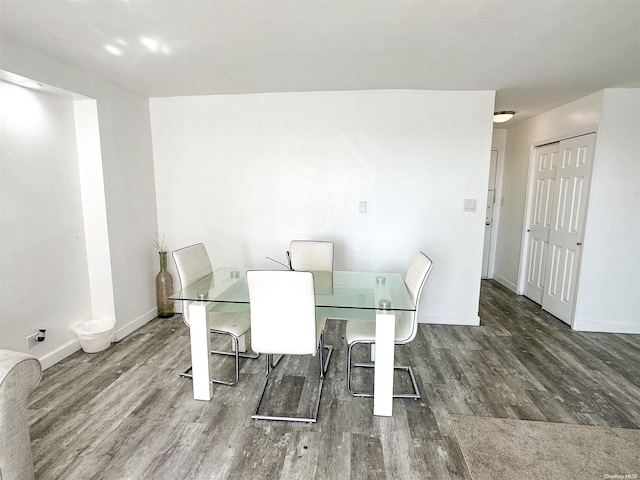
406,368
275,364
235,347
236,354
324,365
329,349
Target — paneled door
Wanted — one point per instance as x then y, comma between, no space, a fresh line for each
570,196
546,163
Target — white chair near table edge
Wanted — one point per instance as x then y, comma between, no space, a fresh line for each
284,322
364,332
311,255
193,263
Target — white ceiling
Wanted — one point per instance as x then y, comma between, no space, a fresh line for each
535,54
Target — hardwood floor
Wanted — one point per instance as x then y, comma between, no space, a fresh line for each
125,414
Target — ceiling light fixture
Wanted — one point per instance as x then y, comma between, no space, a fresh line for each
501,117
150,43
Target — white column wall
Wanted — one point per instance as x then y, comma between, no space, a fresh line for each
245,174
44,281
608,297
94,209
129,188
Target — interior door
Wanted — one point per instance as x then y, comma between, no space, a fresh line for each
546,163
570,195
491,200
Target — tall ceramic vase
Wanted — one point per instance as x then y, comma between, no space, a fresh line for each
164,288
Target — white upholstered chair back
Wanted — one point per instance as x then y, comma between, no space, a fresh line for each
311,255
192,263
283,313
415,279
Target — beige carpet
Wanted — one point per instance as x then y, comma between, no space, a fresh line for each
497,449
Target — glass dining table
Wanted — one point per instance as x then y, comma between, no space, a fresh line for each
339,295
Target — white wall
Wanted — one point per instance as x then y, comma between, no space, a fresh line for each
608,297
554,125
129,189
44,281
246,174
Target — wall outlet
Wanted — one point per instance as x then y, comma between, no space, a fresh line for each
32,340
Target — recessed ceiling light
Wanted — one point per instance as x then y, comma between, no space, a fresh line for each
501,117
30,84
150,43
113,50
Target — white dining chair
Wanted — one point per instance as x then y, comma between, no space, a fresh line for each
192,264
284,322
311,255
364,331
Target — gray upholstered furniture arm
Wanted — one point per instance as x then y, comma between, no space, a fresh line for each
19,374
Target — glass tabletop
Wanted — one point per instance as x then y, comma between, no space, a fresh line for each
353,290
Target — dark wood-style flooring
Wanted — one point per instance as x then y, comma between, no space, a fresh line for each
125,414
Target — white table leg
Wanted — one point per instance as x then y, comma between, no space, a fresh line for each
242,343
200,348
384,361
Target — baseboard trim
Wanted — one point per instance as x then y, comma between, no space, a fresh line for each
71,347
450,319
604,327
506,283
59,354
135,324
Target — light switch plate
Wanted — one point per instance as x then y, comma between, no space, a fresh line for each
469,205
363,207
32,340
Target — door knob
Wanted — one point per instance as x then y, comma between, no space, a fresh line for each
488,223
579,243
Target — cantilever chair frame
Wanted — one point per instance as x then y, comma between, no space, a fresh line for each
271,364
235,353
324,365
186,373
405,368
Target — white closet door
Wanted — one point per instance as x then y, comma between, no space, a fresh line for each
570,196
546,163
